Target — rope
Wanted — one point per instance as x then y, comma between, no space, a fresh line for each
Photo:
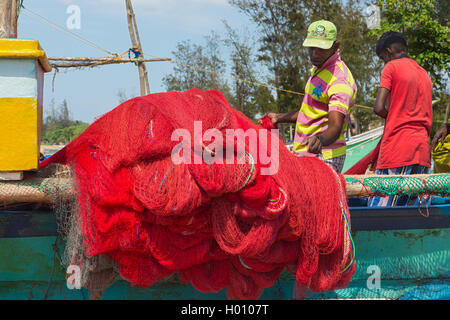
61,29
241,80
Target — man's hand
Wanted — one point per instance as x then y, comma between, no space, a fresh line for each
439,136
274,117
314,145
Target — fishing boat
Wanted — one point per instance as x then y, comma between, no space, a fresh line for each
401,253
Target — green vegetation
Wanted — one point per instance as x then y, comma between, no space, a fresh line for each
426,28
426,31
58,126
274,54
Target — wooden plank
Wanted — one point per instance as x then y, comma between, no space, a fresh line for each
406,259
11,176
27,224
42,223
398,218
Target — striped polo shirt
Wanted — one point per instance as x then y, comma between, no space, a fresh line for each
330,88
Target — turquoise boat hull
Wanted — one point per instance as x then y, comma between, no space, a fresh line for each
400,254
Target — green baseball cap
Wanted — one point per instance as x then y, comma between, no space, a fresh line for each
321,34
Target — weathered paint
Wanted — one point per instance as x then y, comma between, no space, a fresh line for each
409,261
19,144
22,66
24,224
24,48
358,151
18,78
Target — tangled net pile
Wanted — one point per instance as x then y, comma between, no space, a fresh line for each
215,225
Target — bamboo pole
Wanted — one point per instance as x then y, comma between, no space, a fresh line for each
37,190
138,40
134,36
87,62
73,59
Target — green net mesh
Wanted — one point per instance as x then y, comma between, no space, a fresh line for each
406,185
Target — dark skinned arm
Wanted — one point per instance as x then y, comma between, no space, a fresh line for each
276,118
335,123
380,102
290,117
440,135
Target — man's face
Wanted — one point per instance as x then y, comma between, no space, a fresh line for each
318,56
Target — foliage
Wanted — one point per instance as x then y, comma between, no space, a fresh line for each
283,26
58,126
201,58
439,111
62,135
276,56
424,23
248,97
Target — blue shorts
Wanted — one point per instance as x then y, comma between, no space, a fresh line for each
400,201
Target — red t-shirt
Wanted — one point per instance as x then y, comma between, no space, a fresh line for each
408,124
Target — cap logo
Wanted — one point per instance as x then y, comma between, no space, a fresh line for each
319,32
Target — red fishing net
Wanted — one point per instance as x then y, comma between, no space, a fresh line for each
217,225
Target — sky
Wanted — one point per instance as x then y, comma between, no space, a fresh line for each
162,24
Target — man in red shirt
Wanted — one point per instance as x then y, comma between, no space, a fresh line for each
404,99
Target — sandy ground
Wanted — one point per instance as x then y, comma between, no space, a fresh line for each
50,149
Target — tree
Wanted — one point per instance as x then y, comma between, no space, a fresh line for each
282,26
58,126
422,24
122,96
198,67
278,57
248,97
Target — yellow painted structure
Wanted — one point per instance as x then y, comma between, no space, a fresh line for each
22,67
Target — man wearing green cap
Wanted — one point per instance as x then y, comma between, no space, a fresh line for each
329,95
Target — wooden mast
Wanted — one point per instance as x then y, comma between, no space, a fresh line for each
8,18
136,43
14,17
